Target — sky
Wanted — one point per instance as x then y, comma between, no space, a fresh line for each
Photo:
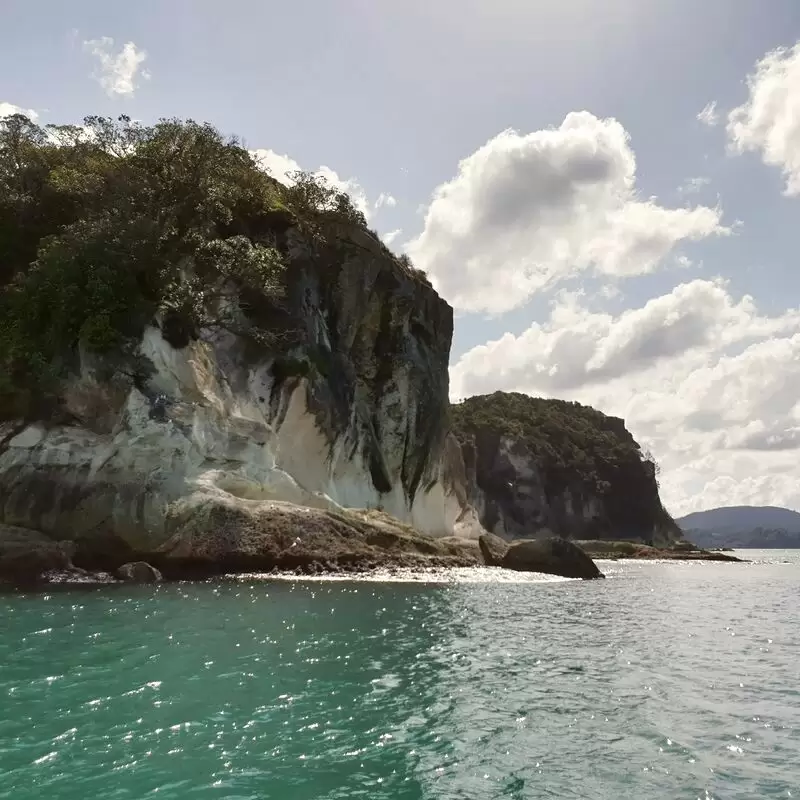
607,194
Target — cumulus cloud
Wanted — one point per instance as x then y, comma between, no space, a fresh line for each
116,71
694,185
281,168
769,121
391,236
709,115
528,210
385,200
703,379
8,109
277,165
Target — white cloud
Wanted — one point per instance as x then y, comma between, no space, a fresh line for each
277,165
7,109
704,380
769,121
385,200
526,211
694,185
282,166
116,72
709,115
389,237
610,292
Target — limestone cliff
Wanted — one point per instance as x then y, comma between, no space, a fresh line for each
199,363
533,464
344,406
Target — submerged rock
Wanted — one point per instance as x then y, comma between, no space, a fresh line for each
554,556
139,572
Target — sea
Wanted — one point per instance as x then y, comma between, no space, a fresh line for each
667,680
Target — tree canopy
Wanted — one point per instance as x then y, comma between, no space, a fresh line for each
573,443
105,224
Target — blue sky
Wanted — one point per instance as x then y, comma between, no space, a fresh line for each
566,277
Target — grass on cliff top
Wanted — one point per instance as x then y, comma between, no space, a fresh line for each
570,441
105,224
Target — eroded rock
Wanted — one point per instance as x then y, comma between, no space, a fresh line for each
341,402
259,537
533,466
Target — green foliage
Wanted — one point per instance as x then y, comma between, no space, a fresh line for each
312,199
105,224
575,444
408,265
255,265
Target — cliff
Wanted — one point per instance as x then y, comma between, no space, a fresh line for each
534,464
181,381
210,370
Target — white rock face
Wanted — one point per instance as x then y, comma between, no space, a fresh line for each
221,428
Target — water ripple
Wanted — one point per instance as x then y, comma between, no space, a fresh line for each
665,681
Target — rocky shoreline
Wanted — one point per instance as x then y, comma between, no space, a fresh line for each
301,541
281,538
681,551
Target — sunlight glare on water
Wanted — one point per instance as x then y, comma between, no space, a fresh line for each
668,680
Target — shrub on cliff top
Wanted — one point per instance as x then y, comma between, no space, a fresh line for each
573,443
105,224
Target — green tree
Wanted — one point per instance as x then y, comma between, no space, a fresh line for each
105,224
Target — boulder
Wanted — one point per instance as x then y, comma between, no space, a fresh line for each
493,549
139,572
28,555
554,556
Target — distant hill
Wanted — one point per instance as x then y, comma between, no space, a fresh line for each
743,526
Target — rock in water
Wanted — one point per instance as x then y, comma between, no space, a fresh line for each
554,556
139,572
493,549
27,556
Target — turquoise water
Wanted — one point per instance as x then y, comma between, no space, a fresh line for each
668,680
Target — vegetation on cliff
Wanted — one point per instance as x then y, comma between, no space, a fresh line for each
106,224
571,441
574,447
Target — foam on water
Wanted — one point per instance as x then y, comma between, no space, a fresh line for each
434,576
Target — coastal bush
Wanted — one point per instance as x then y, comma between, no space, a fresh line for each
105,224
573,443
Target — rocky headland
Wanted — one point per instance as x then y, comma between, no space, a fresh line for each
204,371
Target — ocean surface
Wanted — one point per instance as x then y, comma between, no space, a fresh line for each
668,680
